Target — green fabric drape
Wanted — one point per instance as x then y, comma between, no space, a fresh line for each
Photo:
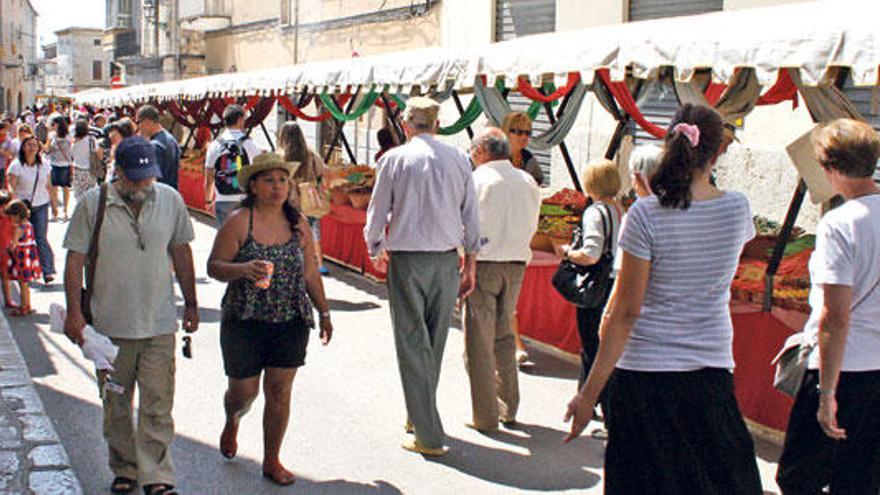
470,115
362,107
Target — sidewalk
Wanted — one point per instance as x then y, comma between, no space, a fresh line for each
32,459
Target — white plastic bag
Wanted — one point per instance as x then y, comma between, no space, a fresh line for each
96,347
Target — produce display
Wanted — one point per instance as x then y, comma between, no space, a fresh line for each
791,284
560,214
351,185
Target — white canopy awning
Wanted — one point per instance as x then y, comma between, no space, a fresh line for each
811,37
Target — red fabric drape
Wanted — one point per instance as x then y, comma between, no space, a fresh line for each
784,89
628,104
174,109
714,91
526,89
298,112
259,111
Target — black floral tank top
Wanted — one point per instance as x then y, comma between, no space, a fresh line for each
286,299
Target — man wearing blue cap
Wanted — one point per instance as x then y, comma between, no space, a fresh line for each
145,227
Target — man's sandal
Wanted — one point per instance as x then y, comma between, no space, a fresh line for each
121,484
159,489
22,311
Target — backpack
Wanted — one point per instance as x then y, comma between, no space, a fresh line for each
226,166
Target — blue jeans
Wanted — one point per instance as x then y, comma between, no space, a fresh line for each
40,221
222,209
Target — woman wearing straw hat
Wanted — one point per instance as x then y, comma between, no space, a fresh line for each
266,253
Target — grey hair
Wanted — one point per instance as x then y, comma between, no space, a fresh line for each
645,160
495,144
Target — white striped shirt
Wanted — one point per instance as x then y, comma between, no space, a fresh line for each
685,316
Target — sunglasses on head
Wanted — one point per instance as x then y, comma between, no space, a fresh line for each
521,132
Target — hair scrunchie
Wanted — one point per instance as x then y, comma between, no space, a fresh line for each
690,131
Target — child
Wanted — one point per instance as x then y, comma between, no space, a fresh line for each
24,264
7,232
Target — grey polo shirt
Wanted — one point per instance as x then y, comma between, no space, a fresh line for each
133,296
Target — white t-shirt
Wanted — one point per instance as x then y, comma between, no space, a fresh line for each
25,186
848,253
80,152
216,148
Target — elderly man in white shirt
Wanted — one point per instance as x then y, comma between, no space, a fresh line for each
509,205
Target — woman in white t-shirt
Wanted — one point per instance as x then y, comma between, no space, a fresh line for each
666,354
83,146
29,181
833,436
58,154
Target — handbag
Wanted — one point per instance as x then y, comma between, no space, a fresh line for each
92,257
587,286
95,163
791,362
311,202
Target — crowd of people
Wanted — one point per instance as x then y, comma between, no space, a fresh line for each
453,230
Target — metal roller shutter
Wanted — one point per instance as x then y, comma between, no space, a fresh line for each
643,10
658,104
516,18
867,101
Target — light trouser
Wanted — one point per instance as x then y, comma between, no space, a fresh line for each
143,454
490,344
422,288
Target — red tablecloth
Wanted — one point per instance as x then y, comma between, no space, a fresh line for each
342,240
191,184
542,313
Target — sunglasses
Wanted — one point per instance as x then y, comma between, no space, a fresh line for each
521,132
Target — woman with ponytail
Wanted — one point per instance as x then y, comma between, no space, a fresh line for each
673,423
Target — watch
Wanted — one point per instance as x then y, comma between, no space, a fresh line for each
324,315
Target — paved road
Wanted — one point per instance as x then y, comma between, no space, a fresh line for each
347,414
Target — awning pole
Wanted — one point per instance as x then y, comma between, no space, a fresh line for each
616,139
268,137
460,107
339,130
797,200
569,163
393,115
188,138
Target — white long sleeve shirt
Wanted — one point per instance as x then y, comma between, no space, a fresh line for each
510,204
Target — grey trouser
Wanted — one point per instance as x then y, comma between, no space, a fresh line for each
145,454
422,288
490,345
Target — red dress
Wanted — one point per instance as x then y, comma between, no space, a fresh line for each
7,233
24,264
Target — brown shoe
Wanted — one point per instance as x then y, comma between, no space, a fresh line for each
482,429
412,445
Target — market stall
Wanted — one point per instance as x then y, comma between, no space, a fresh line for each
733,61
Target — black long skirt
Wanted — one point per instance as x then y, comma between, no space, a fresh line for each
677,433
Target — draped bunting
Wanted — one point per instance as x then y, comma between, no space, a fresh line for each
468,117
362,107
396,102
495,106
628,104
784,89
259,112
300,114
530,92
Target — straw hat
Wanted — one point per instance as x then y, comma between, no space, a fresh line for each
263,162
422,110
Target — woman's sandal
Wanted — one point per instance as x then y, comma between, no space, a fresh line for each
19,312
228,443
10,306
121,484
159,489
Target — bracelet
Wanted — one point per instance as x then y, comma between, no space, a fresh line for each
324,315
825,391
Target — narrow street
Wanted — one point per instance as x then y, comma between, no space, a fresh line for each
347,412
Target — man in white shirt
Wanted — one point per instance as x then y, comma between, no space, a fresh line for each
232,136
509,205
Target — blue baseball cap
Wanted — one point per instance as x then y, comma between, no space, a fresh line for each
137,158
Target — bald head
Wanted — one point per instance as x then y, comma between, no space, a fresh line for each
489,145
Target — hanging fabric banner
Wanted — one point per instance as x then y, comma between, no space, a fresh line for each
560,129
628,104
470,115
362,107
530,92
495,106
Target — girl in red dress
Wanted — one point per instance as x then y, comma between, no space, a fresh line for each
24,262
7,232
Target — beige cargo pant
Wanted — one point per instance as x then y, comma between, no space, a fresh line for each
489,343
144,454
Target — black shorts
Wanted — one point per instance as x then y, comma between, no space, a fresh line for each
250,346
60,176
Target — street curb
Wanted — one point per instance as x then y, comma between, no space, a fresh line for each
32,458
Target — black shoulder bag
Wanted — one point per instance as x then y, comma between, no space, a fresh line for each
586,286
92,258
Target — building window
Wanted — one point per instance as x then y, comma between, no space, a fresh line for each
643,10
97,42
96,70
